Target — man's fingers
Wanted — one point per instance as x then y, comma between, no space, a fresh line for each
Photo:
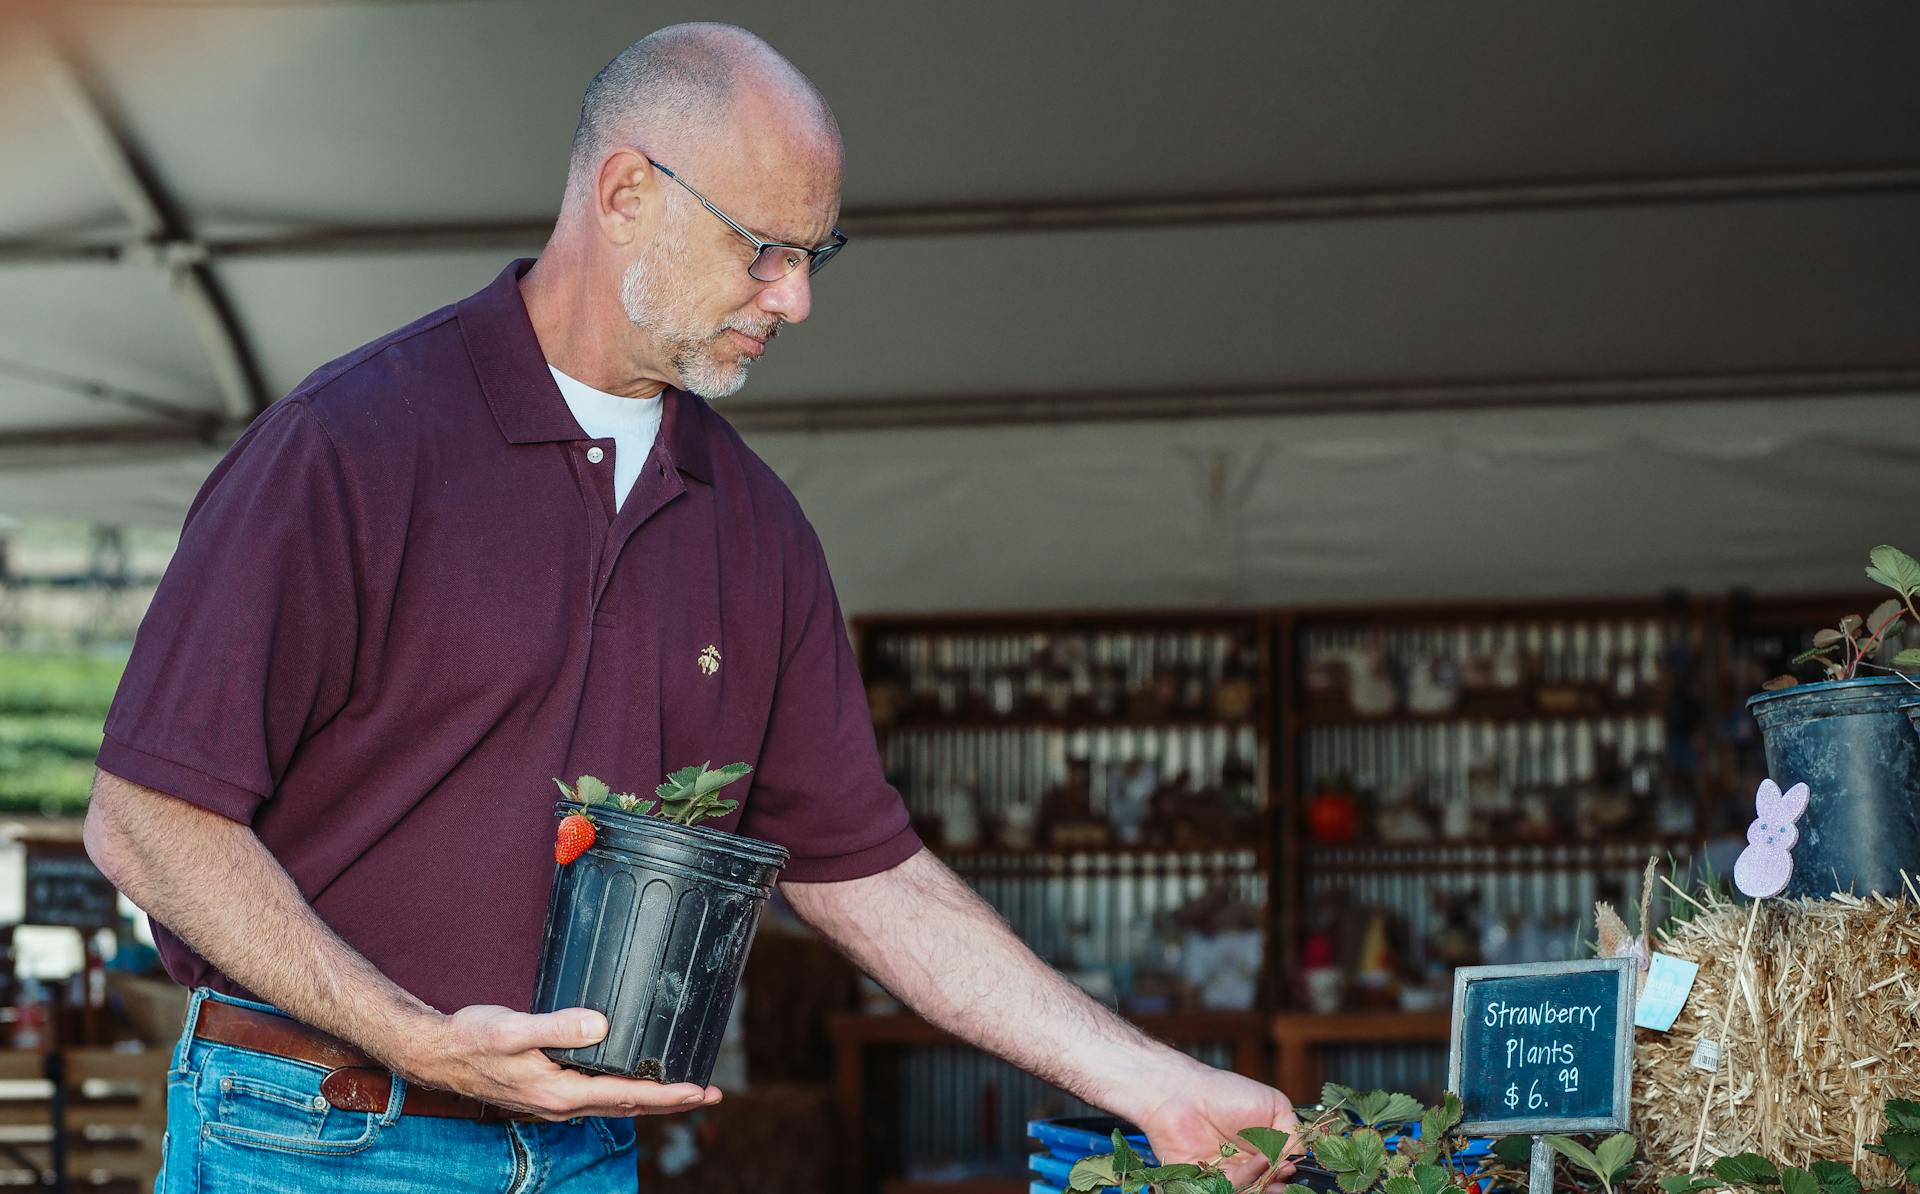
574,1028
627,1096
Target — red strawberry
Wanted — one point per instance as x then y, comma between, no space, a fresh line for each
576,834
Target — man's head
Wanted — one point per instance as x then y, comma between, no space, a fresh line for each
730,118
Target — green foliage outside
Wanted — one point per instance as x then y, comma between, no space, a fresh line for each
51,709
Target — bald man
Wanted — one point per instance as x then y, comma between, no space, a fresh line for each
508,542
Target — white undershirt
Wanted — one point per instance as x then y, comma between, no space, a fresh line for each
631,423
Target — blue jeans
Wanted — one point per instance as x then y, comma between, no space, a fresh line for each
238,1120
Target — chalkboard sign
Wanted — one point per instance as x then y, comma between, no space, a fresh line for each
65,888
1543,1048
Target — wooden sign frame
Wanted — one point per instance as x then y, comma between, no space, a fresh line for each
1626,992
38,853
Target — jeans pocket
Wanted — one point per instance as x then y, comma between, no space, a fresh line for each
263,1102
616,1135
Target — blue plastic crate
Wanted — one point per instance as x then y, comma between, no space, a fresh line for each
1069,1140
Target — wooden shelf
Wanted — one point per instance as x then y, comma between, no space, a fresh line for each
930,723
965,854
1432,857
904,1028
1298,1038
1310,720
1498,847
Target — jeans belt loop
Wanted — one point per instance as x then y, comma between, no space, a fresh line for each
396,1098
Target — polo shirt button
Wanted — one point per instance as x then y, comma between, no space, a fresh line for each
595,455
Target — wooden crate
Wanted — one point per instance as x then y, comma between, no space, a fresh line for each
115,1115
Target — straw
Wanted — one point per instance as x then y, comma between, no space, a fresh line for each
1830,1031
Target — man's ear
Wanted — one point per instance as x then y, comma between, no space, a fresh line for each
623,195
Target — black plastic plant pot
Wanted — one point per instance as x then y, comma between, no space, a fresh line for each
1850,742
651,928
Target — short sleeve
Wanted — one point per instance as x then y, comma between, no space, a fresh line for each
249,644
819,789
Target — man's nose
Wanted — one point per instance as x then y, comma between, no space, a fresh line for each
791,298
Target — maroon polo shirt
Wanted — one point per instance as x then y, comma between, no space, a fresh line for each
403,604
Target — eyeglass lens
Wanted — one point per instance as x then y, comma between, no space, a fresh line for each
777,261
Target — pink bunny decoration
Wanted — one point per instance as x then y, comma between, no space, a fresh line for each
1766,865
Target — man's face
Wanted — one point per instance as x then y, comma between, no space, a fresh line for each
689,290
663,292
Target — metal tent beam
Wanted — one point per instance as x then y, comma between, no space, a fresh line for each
982,219
1270,401
156,221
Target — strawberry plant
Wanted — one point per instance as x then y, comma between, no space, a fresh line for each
1124,1169
1841,651
690,795
1899,1143
1348,1140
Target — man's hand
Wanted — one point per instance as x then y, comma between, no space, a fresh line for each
210,880
493,1054
1208,1107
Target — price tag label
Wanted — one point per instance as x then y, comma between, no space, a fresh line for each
1669,982
1706,1055
1543,1048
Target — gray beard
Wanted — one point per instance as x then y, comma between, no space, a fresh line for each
689,352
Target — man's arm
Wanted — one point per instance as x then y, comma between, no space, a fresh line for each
210,881
944,952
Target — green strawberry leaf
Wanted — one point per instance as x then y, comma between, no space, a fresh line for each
593,790
1334,1096
1369,1153
1125,1160
1798,1181
1335,1153
1835,1178
1432,1179
1907,658
1615,1153
1688,1184
1515,1152
1903,1115
1353,1182
1401,1185
1576,1152
1094,1173
1746,1169
1270,1143
713,781
1902,1147
1895,569
1180,1171
569,793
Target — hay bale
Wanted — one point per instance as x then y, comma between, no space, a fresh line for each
1825,1028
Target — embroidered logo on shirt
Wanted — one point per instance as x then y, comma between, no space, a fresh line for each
710,660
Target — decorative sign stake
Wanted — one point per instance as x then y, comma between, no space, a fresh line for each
1763,870
1543,1048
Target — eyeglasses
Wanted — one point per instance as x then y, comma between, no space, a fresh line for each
772,260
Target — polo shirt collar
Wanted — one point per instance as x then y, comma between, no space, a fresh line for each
520,391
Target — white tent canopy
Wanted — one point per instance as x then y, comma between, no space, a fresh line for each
1146,304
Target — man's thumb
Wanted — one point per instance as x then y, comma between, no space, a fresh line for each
571,1029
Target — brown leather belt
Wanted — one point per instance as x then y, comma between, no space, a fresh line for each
354,1081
